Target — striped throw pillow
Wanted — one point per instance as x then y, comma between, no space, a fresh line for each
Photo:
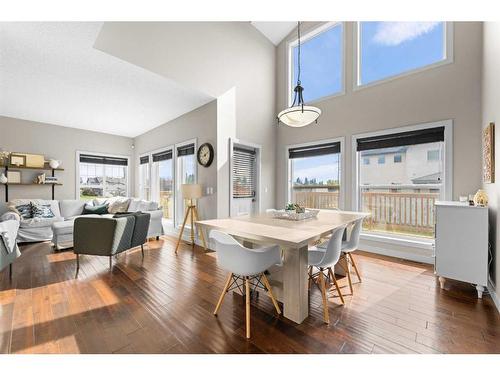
42,211
24,211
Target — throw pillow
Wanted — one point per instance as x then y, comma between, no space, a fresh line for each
119,205
42,211
24,211
95,210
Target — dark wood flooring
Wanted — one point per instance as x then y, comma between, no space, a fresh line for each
164,304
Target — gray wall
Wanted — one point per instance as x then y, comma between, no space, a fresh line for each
56,142
491,113
201,124
448,92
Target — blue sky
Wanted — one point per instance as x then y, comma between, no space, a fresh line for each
320,167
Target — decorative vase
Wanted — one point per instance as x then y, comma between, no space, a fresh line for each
54,164
481,198
3,179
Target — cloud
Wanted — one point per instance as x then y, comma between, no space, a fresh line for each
395,33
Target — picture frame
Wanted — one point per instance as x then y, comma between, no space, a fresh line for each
17,160
13,177
489,153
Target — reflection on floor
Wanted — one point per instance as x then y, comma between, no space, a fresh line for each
164,304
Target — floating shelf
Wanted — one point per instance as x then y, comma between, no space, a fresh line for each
44,168
32,184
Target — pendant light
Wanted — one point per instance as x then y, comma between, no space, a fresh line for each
299,115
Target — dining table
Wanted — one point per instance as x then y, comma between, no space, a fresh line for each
289,280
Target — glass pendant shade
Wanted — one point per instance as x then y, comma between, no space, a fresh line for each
299,116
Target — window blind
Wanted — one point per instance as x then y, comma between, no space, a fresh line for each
414,137
314,150
244,173
164,155
185,150
144,159
108,160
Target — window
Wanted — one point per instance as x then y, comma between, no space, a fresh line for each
314,175
389,49
321,63
381,159
186,174
144,180
162,171
401,200
366,161
244,173
432,155
102,176
398,158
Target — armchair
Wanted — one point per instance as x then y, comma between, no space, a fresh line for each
9,250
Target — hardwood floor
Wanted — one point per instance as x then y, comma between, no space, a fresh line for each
164,304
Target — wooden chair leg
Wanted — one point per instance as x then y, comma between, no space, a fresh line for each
334,279
182,231
270,292
326,316
223,294
355,267
348,272
247,295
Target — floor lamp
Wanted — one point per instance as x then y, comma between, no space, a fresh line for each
191,192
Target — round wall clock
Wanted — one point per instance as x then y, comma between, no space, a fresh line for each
205,154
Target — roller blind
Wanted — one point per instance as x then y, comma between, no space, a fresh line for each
314,150
164,155
144,159
244,173
108,160
414,137
185,150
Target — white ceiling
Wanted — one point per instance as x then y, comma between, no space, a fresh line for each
50,72
275,31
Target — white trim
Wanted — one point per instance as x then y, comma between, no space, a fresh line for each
493,294
356,85
304,38
342,163
138,172
77,169
399,240
176,181
422,258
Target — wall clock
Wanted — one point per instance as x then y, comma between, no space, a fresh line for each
205,154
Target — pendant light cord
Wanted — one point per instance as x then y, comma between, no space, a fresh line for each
298,54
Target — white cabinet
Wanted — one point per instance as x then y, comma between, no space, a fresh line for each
461,248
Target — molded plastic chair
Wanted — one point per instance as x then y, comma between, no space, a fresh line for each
324,260
246,265
348,247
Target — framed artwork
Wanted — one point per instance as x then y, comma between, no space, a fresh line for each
18,160
14,177
489,153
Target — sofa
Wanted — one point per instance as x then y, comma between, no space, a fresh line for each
64,212
8,245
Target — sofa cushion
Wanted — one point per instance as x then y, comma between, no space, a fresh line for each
119,205
71,207
41,210
142,205
98,210
38,222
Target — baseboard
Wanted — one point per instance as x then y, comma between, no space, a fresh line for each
396,253
186,236
493,294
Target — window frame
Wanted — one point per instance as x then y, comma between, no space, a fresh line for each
447,193
174,171
311,33
288,161
177,182
77,165
149,155
357,85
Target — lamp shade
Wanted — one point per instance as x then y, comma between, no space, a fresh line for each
191,191
299,116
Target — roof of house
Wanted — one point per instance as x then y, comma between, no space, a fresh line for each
428,179
383,151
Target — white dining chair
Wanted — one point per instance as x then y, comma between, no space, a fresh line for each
245,266
348,247
323,260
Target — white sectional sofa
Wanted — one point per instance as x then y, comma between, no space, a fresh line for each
60,227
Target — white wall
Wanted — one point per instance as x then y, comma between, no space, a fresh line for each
447,92
56,142
491,113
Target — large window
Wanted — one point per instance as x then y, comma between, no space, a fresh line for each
401,192
144,178
314,175
102,176
186,174
321,62
388,49
163,182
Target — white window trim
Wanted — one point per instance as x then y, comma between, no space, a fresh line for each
177,192
356,85
308,35
77,168
448,176
138,171
174,170
288,167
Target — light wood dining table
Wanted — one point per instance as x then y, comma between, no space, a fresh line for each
289,282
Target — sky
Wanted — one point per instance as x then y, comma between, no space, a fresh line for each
387,49
322,168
